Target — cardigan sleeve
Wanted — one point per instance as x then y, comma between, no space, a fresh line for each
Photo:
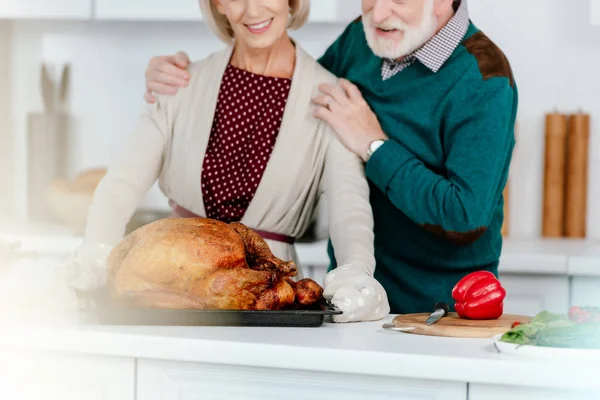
130,175
350,216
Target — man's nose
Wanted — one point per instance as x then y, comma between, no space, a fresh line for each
381,11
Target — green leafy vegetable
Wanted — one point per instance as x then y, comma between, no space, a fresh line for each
555,330
582,336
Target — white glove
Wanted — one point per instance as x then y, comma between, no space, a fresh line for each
359,295
86,269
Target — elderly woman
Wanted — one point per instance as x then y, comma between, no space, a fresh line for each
239,143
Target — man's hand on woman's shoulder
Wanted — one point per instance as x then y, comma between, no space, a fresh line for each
166,74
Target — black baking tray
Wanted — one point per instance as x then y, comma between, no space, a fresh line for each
109,312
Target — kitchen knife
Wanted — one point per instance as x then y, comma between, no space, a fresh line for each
392,327
440,310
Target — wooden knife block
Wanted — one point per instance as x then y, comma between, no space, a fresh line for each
47,139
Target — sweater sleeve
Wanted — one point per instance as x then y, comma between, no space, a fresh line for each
479,138
346,192
130,175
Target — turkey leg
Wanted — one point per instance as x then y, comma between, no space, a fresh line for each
258,253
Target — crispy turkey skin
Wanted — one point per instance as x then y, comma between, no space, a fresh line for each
201,263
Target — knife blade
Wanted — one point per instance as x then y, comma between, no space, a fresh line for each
440,310
392,327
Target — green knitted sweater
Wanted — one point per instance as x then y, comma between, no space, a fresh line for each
436,185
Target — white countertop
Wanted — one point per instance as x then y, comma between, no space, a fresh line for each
586,263
362,348
541,256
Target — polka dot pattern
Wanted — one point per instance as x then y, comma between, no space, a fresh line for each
247,120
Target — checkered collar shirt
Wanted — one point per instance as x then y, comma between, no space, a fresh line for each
438,49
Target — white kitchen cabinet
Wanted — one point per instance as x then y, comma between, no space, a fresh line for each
188,10
585,291
46,9
52,376
162,380
158,10
530,294
494,392
595,12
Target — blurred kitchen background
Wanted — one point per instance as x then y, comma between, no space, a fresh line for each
88,97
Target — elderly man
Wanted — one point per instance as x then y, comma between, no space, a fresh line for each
429,102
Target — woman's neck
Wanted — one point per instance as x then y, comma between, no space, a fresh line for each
276,61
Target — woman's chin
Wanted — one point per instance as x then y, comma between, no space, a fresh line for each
263,39
260,43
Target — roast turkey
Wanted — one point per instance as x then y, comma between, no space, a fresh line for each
201,263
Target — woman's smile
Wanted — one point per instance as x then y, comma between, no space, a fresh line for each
261,27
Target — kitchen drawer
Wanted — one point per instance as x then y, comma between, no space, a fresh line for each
493,392
585,291
33,376
530,294
162,380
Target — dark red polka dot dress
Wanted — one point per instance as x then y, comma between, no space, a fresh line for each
246,124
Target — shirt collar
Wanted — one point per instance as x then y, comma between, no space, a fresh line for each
439,48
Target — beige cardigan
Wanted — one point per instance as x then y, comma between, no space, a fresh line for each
308,161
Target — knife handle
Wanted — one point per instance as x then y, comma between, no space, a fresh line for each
442,306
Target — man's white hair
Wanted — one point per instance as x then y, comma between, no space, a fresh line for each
414,36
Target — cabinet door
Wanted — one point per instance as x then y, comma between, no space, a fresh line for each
177,10
595,12
188,10
160,380
40,9
530,294
585,291
493,392
66,377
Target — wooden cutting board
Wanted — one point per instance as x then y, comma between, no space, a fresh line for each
453,326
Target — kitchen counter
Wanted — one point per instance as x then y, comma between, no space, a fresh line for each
48,346
361,349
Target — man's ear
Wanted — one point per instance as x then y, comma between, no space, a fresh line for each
442,7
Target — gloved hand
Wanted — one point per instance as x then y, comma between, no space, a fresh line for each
86,269
359,295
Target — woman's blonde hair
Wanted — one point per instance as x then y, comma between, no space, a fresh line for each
218,23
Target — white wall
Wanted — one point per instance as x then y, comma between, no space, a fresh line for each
554,51
6,139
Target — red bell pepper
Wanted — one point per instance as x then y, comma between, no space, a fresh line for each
479,295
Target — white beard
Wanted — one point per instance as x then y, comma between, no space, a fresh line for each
414,36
